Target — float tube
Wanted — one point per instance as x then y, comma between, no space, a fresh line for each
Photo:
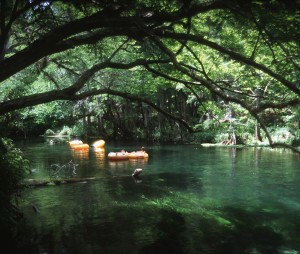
99,143
82,147
75,142
138,155
118,156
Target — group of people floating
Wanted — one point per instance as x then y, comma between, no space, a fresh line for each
114,156
122,155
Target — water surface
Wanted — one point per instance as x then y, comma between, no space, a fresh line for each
188,199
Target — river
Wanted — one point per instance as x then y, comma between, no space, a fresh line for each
188,199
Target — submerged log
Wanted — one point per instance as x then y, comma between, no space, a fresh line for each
37,182
43,182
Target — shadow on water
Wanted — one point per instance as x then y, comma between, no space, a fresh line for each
155,217
161,230
185,201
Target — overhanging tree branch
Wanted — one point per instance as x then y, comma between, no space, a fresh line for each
234,55
69,92
54,41
216,90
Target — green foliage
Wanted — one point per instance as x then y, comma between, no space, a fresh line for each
79,129
13,168
66,131
296,138
205,137
282,135
49,132
268,40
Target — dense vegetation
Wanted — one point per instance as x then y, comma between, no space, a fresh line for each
203,71
173,70
13,168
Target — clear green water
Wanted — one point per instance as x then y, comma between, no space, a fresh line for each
189,199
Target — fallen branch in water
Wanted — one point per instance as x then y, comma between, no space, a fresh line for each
36,182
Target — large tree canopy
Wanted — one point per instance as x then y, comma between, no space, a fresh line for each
241,52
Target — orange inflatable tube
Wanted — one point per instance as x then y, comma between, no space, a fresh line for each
99,143
118,156
81,147
138,155
75,143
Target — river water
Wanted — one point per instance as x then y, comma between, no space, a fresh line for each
188,199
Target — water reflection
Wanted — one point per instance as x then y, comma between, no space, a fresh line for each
99,151
125,167
99,155
63,171
119,167
80,154
137,179
138,162
187,200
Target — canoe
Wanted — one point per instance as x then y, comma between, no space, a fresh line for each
99,143
118,156
138,155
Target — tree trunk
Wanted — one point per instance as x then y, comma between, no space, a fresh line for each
258,94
